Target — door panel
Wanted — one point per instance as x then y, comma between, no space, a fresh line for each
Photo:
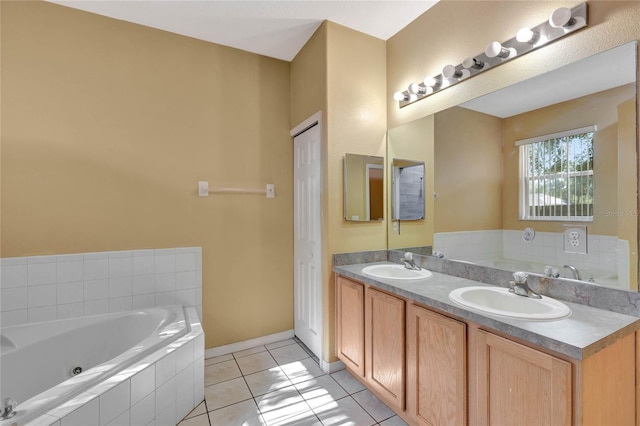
307,240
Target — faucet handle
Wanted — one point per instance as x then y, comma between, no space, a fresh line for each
520,277
8,408
408,255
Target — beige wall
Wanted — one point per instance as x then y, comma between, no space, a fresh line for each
356,123
468,171
309,79
413,141
106,129
628,182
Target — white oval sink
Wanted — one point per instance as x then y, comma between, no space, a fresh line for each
498,301
396,272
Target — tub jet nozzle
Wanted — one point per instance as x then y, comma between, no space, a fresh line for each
76,370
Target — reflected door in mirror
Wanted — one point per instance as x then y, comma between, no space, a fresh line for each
363,188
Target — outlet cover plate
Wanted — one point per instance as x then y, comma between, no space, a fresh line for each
575,239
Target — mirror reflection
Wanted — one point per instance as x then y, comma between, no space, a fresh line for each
511,187
363,188
407,190
414,140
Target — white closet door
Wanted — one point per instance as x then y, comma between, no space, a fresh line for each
307,239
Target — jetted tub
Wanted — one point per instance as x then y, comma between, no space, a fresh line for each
48,367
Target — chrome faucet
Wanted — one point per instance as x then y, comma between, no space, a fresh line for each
574,271
408,261
520,287
551,272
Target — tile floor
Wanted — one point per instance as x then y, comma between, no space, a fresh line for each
281,384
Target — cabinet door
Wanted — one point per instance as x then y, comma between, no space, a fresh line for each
436,368
350,324
385,347
520,385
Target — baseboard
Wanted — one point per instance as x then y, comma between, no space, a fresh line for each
331,367
248,344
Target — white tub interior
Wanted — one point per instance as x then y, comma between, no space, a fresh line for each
37,359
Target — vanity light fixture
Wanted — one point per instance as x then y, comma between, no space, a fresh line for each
562,17
417,89
525,35
399,96
433,83
495,49
450,72
563,21
473,63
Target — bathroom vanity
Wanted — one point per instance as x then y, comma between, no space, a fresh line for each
435,363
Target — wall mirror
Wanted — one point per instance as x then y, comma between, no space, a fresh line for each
407,189
363,188
477,165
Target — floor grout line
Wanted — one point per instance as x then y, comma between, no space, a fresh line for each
292,385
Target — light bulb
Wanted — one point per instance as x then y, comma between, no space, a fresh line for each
473,63
495,49
431,82
413,97
399,96
561,17
417,89
449,71
526,35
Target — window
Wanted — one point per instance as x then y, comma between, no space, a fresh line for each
556,176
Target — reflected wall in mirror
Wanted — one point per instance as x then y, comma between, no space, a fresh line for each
363,188
415,141
407,190
477,172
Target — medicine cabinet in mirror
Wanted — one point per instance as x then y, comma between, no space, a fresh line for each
363,188
476,173
407,190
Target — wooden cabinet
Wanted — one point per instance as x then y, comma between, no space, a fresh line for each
436,368
370,339
517,384
450,372
350,324
385,347
520,385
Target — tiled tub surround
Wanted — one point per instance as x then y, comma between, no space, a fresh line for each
607,260
44,288
584,333
160,389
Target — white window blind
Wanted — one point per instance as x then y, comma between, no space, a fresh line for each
556,176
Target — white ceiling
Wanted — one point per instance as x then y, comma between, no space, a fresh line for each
277,29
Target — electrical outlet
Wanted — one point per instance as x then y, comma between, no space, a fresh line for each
575,239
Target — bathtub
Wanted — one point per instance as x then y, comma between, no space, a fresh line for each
77,367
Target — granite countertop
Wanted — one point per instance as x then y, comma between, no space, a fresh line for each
586,331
